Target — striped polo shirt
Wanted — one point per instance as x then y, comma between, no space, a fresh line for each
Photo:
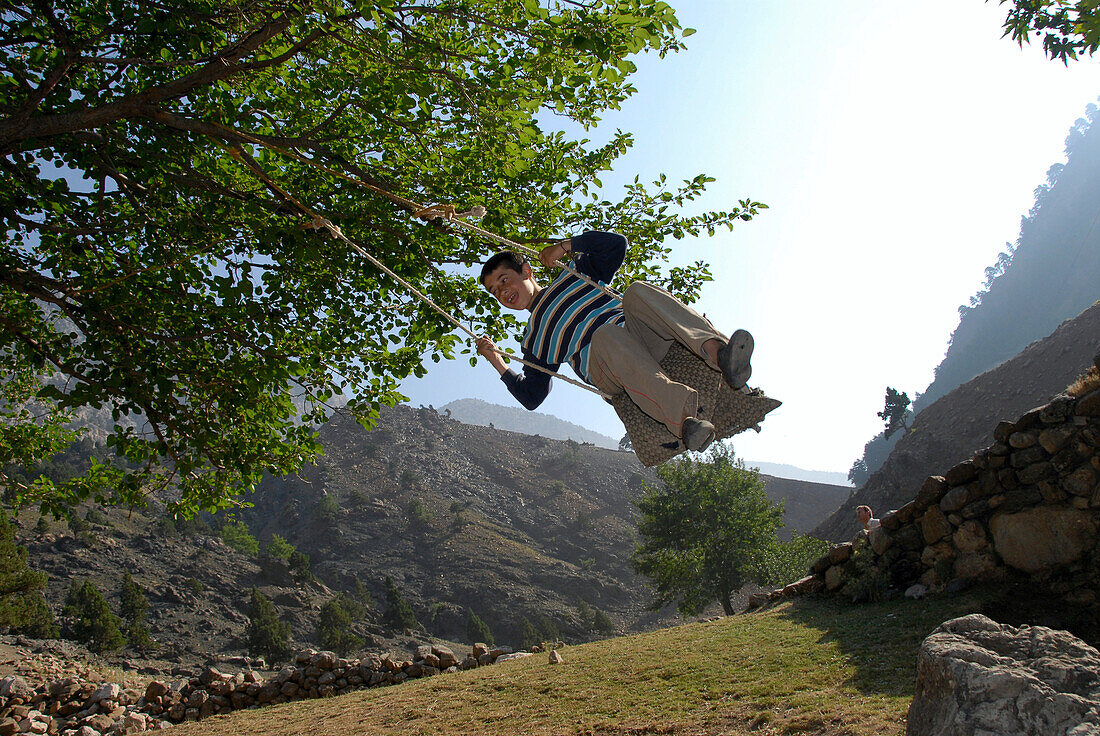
565,316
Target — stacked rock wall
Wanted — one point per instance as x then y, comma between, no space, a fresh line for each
78,708
1029,504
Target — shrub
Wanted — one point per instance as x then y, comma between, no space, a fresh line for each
785,562
268,637
867,582
602,623
236,535
299,565
77,525
23,609
477,630
399,614
93,624
326,509
95,516
195,586
42,527
193,526
166,528
419,513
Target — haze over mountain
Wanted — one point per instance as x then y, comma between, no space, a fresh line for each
486,414
1049,275
960,423
515,419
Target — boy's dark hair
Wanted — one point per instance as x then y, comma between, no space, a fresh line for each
514,261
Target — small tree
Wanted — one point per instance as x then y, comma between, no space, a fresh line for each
93,624
859,472
279,548
326,509
133,608
477,630
702,531
23,609
268,637
237,536
399,613
299,565
895,411
334,624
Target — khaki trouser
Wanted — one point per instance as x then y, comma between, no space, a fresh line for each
627,358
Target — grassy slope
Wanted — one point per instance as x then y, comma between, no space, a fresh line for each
810,667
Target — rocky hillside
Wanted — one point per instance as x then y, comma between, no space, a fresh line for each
462,517
953,427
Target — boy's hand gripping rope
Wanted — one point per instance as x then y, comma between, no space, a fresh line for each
321,223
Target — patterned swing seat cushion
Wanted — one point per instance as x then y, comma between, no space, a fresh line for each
731,412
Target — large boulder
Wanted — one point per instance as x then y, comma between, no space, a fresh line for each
1043,537
977,677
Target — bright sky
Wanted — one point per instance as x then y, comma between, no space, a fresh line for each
897,144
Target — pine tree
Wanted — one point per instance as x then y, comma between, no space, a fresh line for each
477,630
399,613
93,624
23,609
268,637
133,607
334,623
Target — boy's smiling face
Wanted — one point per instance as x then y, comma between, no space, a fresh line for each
513,290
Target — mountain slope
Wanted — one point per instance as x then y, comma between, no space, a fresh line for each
953,427
462,517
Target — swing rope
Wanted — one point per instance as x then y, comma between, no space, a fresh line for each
446,212
318,222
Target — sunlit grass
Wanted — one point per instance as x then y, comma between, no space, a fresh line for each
814,667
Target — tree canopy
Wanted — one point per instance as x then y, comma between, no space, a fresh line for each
1067,27
158,162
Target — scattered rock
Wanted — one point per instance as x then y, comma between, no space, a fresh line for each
916,591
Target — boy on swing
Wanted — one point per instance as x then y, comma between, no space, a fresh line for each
614,344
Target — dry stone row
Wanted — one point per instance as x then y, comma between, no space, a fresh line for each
1029,504
74,707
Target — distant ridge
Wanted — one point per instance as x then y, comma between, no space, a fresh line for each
484,414
782,470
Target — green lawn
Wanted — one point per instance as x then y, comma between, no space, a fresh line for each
811,667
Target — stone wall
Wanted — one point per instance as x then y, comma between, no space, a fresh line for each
79,708
1029,505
